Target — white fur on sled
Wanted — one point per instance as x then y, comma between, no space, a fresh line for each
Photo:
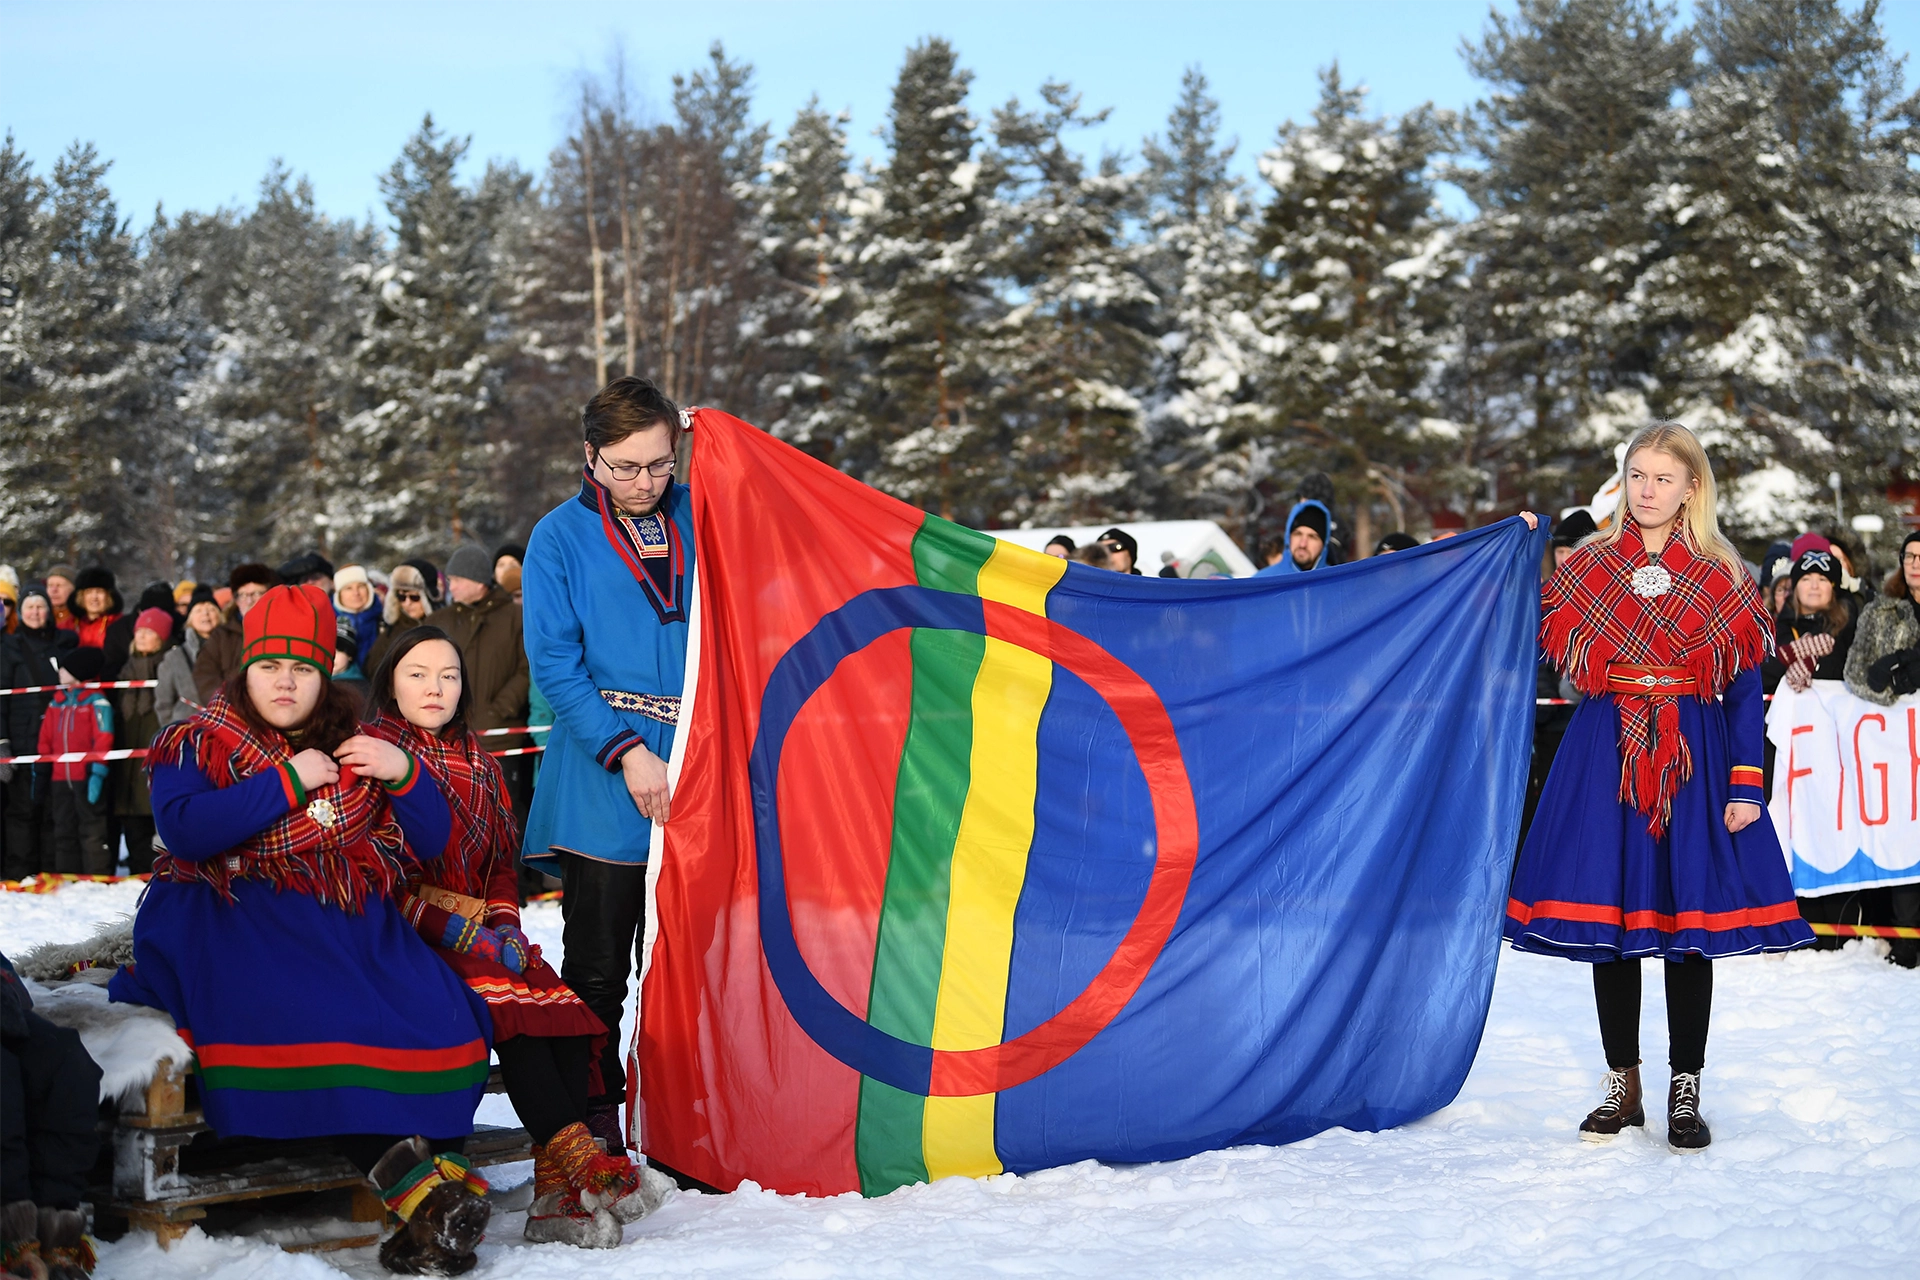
129,1041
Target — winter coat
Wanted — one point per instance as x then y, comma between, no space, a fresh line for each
388,631
1887,625
138,720
219,656
28,658
489,637
366,625
77,720
178,697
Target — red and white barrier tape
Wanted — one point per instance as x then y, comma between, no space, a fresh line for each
136,753
84,684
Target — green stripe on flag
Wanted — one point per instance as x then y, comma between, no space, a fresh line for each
929,793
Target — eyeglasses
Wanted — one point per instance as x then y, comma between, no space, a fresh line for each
627,472
1912,557
406,597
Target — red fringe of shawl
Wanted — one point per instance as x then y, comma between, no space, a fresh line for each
483,823
358,857
1716,628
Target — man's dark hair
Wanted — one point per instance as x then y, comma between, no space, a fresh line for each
625,406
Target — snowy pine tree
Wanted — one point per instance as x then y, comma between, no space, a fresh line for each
71,389
1068,359
1356,269
1793,213
1203,455
421,458
805,319
1559,352
919,427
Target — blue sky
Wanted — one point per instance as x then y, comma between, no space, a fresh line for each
191,101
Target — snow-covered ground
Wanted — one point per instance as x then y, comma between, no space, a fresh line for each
1811,1089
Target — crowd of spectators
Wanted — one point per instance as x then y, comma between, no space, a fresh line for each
67,628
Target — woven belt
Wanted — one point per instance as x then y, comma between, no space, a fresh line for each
447,900
1649,682
654,706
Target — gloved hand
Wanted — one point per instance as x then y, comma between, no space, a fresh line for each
95,785
477,940
1898,671
1802,656
511,939
6,770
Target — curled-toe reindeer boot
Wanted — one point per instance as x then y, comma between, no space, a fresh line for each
442,1207
605,1180
64,1246
20,1241
558,1216
1620,1108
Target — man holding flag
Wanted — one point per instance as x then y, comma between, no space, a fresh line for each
606,583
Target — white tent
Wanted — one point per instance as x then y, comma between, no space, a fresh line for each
1195,548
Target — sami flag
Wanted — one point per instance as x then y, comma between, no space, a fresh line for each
983,861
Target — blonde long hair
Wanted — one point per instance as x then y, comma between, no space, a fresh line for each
1701,511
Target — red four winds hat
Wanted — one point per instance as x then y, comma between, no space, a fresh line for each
291,622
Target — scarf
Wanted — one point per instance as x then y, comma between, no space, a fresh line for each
343,847
483,825
1710,622
648,545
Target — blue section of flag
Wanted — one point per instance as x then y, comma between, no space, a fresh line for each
1357,739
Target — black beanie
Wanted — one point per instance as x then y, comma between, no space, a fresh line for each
1824,563
1575,529
1313,517
83,664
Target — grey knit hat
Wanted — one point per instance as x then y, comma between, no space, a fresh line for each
470,562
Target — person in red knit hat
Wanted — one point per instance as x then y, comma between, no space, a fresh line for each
272,936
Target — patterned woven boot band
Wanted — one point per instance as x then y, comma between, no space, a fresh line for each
654,706
404,1196
1650,682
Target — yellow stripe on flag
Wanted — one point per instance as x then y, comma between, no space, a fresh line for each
990,859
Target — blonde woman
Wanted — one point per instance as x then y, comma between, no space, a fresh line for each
1651,837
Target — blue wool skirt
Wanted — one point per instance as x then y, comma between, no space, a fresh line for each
1591,883
307,1020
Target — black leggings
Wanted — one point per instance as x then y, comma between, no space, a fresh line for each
546,1079
1616,992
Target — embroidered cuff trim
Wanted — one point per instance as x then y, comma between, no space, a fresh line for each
290,783
405,784
654,706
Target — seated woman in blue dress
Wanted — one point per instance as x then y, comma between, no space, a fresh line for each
271,936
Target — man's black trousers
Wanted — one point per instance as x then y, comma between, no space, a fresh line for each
605,908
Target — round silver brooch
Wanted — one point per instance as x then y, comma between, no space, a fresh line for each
1651,580
323,812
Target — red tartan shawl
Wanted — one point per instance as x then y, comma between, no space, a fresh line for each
484,831
353,856
1710,622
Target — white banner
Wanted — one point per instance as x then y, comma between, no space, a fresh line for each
1846,787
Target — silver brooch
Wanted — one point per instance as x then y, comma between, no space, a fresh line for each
1651,580
323,812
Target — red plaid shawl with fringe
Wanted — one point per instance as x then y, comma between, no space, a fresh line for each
1711,622
483,826
355,856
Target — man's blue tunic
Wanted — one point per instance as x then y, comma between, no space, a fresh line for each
592,628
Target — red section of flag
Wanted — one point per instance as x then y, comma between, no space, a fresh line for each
781,540
838,835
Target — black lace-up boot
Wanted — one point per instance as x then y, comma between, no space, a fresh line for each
1686,1131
